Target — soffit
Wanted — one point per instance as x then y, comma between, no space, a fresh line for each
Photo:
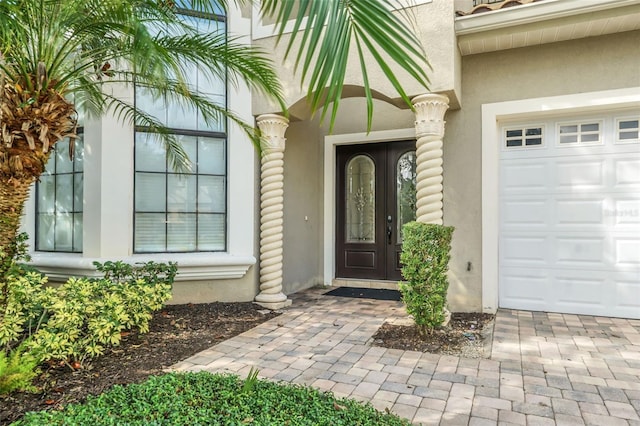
542,22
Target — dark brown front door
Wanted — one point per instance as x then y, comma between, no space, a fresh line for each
375,197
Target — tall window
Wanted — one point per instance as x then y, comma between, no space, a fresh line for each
59,200
182,212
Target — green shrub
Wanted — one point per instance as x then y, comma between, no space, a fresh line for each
24,307
206,399
425,259
82,317
17,370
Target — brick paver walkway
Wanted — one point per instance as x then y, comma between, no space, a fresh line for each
544,369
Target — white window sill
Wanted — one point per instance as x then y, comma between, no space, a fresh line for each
191,266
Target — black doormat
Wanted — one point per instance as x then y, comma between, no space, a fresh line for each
366,293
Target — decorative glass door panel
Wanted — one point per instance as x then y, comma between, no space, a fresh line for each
375,197
360,200
405,191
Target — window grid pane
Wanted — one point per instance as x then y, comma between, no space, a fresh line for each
151,233
175,114
580,133
188,209
523,137
59,200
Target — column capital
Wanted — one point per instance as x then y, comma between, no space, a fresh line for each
272,127
430,109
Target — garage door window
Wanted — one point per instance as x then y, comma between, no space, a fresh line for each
628,130
580,133
523,137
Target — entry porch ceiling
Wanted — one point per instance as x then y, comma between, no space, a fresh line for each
542,22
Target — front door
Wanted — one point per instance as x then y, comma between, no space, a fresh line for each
376,195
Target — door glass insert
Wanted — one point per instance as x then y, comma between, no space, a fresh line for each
405,190
360,200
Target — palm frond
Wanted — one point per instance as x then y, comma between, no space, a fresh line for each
325,41
78,48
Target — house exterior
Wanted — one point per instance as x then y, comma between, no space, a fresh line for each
528,143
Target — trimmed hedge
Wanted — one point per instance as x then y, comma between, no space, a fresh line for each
425,260
206,399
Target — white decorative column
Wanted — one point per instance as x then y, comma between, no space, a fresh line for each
430,109
273,128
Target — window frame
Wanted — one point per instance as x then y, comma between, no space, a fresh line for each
222,135
523,137
579,133
74,211
618,130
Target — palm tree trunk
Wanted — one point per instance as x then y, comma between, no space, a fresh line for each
14,192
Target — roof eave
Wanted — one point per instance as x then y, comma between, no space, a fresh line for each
532,12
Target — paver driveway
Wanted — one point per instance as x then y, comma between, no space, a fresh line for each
544,368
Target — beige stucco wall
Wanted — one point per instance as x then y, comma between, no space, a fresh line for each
353,117
586,65
302,249
236,290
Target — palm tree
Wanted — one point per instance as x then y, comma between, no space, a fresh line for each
61,55
57,56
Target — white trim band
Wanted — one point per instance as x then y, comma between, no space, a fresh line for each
191,266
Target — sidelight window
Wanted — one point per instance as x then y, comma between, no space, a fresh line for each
406,190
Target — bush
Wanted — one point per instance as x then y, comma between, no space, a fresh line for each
206,399
17,370
79,319
425,259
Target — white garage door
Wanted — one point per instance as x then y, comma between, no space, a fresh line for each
570,215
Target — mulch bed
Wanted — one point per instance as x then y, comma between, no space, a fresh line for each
464,336
175,333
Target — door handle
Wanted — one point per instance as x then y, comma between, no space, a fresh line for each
389,229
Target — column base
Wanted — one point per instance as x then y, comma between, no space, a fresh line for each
274,305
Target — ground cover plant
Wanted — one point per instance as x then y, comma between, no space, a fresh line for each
17,370
204,398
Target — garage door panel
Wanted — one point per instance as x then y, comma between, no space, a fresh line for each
526,289
524,250
625,212
585,251
627,173
524,177
570,224
525,213
628,293
573,292
627,252
580,174
571,212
